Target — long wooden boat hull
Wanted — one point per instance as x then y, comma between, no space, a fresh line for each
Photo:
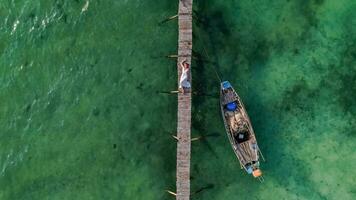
239,129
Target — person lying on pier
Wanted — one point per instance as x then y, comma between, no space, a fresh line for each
184,82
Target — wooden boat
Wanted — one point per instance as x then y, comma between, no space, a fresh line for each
239,130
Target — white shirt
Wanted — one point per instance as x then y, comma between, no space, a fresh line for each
183,82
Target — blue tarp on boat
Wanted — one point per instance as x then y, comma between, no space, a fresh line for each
226,85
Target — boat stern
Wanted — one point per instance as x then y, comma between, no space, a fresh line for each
254,170
257,173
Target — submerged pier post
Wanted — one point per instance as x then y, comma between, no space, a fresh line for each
184,102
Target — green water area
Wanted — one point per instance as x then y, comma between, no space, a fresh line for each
83,116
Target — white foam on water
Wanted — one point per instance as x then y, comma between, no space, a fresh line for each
85,7
14,27
13,158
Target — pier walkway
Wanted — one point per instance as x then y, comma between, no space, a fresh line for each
184,102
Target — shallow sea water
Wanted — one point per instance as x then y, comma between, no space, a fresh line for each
82,116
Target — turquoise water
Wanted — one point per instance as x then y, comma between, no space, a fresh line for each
83,116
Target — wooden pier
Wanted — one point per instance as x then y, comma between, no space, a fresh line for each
184,102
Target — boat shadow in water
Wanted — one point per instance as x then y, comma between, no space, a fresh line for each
281,165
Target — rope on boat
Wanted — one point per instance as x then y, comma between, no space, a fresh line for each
216,72
214,68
